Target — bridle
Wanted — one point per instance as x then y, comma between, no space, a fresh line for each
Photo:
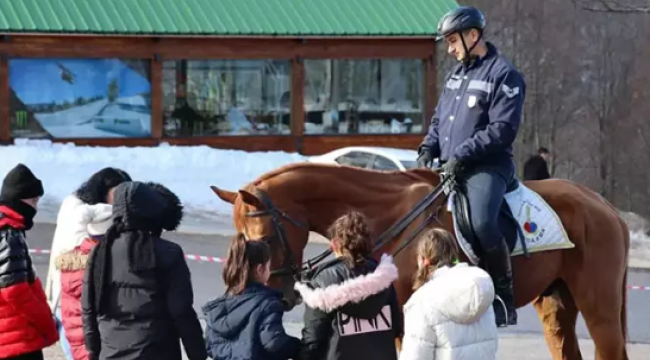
289,266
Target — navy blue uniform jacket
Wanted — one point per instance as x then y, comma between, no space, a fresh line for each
479,112
248,326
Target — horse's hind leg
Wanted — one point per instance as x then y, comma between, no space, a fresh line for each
601,305
558,313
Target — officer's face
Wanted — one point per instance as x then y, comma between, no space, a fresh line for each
455,44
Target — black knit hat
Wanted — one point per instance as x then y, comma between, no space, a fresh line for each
20,183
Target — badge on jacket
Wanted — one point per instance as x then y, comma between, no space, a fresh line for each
510,92
471,102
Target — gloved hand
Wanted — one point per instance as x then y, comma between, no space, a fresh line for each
425,158
452,167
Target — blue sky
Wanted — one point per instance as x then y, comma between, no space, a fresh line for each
39,80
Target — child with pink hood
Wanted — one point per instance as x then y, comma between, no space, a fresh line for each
72,265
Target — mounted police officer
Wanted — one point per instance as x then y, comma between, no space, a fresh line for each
472,131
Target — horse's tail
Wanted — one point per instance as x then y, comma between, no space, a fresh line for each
624,308
624,329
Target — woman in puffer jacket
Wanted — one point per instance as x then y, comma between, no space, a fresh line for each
450,315
72,265
351,307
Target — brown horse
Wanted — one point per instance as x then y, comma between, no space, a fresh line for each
282,206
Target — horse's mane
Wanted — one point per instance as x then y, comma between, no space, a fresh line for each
413,174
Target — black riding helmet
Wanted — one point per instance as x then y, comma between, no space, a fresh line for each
458,20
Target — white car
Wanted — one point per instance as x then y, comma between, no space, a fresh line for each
370,157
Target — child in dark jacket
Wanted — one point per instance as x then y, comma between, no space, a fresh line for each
246,322
351,308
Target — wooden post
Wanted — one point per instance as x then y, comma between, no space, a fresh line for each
5,125
297,102
430,90
156,78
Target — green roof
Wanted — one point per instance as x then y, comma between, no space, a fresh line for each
225,17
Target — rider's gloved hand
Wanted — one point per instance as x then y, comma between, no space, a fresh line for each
425,158
453,167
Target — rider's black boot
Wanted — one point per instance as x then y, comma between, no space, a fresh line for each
498,264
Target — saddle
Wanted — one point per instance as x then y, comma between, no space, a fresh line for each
507,223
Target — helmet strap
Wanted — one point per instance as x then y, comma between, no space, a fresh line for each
468,56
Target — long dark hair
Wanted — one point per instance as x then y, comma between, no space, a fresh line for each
352,232
243,257
95,190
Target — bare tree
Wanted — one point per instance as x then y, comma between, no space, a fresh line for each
615,6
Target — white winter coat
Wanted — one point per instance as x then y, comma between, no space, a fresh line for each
70,232
451,317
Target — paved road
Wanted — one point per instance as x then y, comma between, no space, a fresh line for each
206,278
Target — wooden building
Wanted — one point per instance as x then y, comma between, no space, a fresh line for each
292,75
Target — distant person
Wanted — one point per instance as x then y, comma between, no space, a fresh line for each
450,316
351,308
70,233
26,322
137,297
536,167
246,322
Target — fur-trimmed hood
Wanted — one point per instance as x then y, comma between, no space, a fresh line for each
71,261
76,259
337,288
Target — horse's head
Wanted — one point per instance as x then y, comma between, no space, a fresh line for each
279,222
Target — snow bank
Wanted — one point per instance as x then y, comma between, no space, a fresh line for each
188,171
639,239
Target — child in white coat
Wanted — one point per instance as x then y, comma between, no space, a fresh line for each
450,315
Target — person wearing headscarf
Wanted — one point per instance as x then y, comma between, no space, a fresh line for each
26,321
137,297
72,265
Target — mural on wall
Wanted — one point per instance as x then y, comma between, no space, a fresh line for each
80,98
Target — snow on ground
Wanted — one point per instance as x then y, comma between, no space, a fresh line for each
189,172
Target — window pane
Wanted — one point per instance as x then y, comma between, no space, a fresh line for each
383,163
355,158
226,97
79,98
363,96
409,164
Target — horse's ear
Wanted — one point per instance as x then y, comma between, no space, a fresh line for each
250,199
225,195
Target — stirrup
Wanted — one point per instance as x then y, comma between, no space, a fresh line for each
505,310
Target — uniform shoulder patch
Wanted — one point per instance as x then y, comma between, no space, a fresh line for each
510,92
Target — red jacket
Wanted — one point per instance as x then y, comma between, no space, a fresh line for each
72,265
26,321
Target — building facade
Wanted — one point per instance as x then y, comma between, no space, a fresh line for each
241,74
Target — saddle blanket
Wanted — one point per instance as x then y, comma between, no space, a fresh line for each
541,227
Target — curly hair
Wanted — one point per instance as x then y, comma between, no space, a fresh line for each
439,248
352,232
95,190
